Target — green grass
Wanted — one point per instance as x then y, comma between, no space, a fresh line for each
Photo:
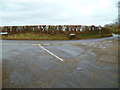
45,36
114,28
116,31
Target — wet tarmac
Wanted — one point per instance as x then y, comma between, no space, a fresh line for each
89,63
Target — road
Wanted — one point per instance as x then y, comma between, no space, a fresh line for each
89,63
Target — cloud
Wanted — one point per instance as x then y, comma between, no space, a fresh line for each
85,12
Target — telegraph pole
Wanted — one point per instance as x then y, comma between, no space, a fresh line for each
118,37
119,12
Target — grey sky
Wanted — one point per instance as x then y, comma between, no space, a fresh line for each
32,12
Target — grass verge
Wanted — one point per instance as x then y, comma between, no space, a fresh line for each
45,36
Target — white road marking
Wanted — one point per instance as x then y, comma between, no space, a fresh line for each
46,44
109,41
84,43
42,44
24,44
80,69
51,53
35,44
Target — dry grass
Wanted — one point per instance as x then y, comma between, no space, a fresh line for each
57,36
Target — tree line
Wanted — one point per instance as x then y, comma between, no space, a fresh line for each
52,29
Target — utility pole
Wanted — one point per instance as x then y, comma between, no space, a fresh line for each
119,12
100,31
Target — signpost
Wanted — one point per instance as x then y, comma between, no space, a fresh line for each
71,35
4,33
100,31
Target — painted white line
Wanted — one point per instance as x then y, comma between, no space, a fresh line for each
79,68
35,44
84,43
24,44
42,44
51,53
46,44
109,41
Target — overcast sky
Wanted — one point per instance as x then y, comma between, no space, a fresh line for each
82,12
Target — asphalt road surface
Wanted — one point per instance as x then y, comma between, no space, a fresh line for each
89,63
